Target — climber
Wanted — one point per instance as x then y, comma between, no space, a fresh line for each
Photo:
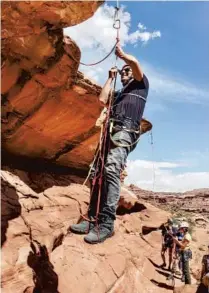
126,113
167,242
185,251
177,264
205,270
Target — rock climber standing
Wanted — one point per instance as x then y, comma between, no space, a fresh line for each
125,117
167,242
185,251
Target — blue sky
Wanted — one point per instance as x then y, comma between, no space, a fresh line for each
177,63
183,51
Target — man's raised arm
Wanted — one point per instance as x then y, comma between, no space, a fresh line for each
131,61
106,90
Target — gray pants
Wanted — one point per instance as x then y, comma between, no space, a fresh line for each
185,258
115,160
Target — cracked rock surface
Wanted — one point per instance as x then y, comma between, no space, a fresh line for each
49,109
39,255
37,252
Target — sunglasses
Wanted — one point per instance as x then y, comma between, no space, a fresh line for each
126,70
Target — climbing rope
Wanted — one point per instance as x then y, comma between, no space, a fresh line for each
116,25
153,165
99,157
95,63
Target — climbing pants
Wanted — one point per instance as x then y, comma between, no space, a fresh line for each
115,159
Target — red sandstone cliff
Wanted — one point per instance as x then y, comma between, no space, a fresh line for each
48,109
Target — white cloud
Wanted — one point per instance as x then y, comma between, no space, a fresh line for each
141,26
173,89
96,37
98,32
146,173
143,36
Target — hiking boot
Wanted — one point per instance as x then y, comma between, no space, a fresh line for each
82,228
99,234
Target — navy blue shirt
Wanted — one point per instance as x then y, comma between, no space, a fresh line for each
130,102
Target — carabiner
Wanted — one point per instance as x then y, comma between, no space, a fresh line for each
116,24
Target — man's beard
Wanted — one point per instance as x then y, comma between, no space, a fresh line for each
126,81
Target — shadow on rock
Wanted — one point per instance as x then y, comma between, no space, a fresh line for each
44,277
40,174
165,274
146,230
161,285
10,207
156,265
126,208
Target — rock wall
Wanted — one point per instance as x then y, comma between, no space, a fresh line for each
49,109
38,254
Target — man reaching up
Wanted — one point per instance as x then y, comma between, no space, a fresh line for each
126,114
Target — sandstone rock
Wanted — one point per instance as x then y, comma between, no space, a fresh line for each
48,108
35,242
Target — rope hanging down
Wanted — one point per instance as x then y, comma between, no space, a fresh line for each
116,25
153,166
99,158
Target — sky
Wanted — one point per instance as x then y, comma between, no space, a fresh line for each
171,42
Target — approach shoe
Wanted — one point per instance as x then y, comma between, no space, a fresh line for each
99,234
82,228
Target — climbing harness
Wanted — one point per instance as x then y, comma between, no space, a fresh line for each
125,129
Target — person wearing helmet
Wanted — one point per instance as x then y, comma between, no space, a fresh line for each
167,242
185,251
205,270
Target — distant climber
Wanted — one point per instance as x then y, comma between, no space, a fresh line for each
185,251
177,264
167,242
125,117
205,270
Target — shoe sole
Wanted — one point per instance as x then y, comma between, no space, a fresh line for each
77,232
99,241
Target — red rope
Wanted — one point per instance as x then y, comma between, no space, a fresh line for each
102,152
